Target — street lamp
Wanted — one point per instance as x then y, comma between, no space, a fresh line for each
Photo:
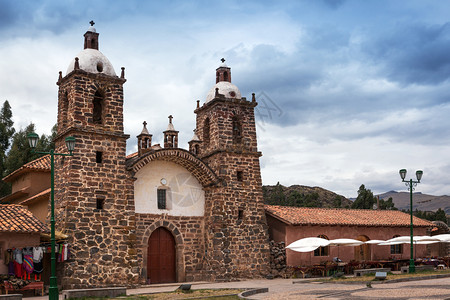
411,184
70,144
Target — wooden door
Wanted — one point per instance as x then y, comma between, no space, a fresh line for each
161,257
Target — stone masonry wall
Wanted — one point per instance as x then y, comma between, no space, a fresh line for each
75,101
237,237
94,199
220,113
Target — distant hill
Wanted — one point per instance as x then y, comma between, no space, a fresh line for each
421,201
300,195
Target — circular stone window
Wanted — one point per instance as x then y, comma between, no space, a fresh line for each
232,94
100,67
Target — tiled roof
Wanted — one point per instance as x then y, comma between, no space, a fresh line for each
39,164
42,195
131,155
334,216
17,194
16,218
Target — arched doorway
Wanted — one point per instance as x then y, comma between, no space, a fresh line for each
161,258
362,252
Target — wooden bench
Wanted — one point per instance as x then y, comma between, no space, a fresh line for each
405,269
362,272
36,286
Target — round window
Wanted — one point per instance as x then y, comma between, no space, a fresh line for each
100,66
232,94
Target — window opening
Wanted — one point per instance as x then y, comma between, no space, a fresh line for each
100,203
206,132
161,193
322,251
237,130
99,157
97,112
396,249
225,76
65,108
240,214
240,175
99,67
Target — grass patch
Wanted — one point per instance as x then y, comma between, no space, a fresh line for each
390,276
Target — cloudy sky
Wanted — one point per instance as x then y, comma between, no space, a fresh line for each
349,92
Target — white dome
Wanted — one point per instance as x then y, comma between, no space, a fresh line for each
226,88
92,61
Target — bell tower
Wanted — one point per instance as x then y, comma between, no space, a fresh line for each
238,236
94,198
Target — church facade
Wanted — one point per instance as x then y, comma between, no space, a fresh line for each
163,214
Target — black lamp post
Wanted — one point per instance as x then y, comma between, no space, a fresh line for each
411,184
70,144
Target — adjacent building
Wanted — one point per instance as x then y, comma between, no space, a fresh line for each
288,224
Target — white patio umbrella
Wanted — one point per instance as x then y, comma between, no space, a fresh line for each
396,241
407,239
309,242
443,237
345,242
425,240
374,241
304,249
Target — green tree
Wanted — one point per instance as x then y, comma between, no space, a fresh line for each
277,197
295,199
365,199
388,204
440,215
20,152
6,133
312,200
337,202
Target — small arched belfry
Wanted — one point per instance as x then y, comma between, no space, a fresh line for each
163,214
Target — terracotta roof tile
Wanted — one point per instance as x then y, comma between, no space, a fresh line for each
39,164
334,216
16,218
42,195
131,155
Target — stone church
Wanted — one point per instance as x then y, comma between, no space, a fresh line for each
163,214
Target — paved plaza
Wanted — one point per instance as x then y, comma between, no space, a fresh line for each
280,289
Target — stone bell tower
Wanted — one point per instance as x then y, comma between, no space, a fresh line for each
94,198
237,238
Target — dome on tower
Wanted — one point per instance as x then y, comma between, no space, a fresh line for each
223,83
92,61
226,88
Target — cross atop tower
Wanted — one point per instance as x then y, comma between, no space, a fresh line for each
170,119
92,22
223,72
145,124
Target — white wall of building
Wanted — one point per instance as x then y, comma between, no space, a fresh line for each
185,195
